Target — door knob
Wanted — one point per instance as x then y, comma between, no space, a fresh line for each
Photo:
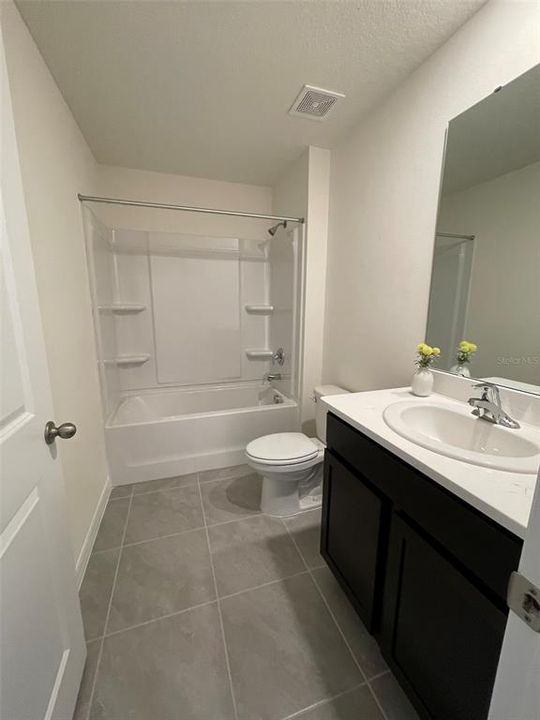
65,431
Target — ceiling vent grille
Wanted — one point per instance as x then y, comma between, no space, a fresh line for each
314,103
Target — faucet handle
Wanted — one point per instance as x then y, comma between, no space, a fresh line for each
486,387
491,408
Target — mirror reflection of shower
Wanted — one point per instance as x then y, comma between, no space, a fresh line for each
449,295
190,309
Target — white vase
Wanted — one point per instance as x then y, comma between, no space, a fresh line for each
422,382
460,369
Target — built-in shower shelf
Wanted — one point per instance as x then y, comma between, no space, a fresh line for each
128,360
122,308
260,309
259,354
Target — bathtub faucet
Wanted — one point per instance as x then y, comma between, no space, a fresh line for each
271,376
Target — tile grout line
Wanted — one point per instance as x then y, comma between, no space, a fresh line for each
100,651
379,675
184,532
163,489
321,703
223,479
220,614
376,697
157,619
308,570
197,606
363,674
152,539
325,602
373,694
249,516
262,585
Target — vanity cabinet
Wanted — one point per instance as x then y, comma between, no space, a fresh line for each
426,572
439,630
355,544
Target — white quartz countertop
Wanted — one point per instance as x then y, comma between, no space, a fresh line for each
505,497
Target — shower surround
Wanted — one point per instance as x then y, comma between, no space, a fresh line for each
177,318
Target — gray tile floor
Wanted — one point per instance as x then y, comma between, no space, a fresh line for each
198,607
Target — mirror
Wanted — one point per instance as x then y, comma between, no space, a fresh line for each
485,282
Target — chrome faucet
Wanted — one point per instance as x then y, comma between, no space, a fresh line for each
271,376
278,356
488,407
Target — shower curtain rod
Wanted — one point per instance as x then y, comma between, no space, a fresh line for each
188,208
453,235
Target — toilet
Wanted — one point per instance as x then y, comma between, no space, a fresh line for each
291,463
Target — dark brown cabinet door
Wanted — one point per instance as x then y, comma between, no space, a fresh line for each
441,635
352,538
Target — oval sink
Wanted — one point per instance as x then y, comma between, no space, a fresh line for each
458,434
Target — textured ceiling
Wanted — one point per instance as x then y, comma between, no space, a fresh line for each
203,88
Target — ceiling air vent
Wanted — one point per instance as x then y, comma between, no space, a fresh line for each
314,103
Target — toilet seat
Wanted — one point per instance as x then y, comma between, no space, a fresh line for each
282,449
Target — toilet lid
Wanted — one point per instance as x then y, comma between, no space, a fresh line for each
282,448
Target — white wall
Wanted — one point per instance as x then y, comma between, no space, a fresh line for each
56,163
503,309
384,190
181,190
303,191
316,269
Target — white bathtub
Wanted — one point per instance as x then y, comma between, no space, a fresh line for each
172,432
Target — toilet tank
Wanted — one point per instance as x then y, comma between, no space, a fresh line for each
320,411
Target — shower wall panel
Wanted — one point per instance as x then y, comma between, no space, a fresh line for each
187,324
196,305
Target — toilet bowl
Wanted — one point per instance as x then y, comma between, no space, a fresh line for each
291,464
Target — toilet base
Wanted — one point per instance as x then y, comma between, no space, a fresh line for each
310,502
280,495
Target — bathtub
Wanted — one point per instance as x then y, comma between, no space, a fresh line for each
172,432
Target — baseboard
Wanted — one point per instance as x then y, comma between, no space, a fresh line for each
89,540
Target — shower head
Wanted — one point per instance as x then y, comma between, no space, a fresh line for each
273,230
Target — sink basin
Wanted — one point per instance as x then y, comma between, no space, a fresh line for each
458,434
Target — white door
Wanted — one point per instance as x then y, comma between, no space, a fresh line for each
42,649
516,695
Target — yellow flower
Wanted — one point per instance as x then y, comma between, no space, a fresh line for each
420,347
436,351
464,345
473,347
